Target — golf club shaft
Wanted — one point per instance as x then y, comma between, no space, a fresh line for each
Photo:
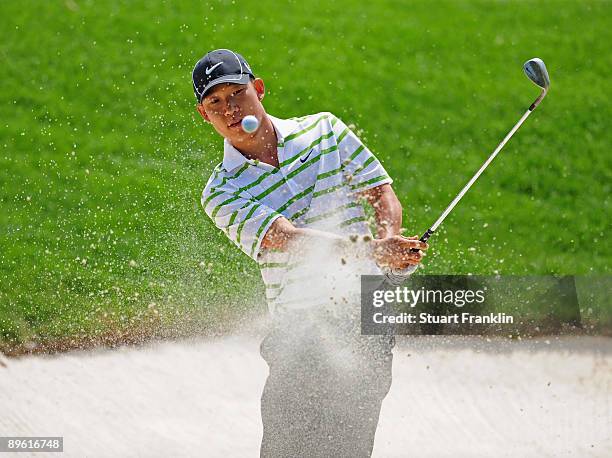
465,189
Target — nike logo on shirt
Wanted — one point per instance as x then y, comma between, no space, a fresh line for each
305,158
210,69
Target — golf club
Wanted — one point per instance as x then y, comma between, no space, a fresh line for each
536,72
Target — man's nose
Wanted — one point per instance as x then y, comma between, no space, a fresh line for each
230,107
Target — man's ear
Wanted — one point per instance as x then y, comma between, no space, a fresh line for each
260,88
202,112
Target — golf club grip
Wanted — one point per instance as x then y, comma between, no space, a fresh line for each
424,238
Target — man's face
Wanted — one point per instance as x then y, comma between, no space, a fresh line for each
226,104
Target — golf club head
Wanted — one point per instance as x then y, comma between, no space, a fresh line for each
536,72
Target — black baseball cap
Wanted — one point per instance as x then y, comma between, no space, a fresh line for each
219,66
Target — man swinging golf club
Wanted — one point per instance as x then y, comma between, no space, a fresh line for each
290,194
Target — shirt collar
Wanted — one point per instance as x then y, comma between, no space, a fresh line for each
233,158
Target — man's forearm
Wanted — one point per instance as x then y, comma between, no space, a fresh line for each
282,234
387,210
388,213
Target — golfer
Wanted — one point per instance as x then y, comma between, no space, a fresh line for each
291,196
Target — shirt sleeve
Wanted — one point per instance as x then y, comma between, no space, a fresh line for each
244,220
360,167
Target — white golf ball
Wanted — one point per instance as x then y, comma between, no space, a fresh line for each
250,124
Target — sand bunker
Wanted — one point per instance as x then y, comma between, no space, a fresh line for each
450,397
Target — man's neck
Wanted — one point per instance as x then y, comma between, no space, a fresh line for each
262,146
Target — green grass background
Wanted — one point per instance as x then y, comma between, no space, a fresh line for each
103,157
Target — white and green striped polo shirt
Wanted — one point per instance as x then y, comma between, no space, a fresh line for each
322,166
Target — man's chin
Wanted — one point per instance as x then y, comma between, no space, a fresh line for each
238,134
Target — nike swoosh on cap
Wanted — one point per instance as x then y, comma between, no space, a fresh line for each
210,69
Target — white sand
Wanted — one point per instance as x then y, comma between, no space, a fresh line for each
450,397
